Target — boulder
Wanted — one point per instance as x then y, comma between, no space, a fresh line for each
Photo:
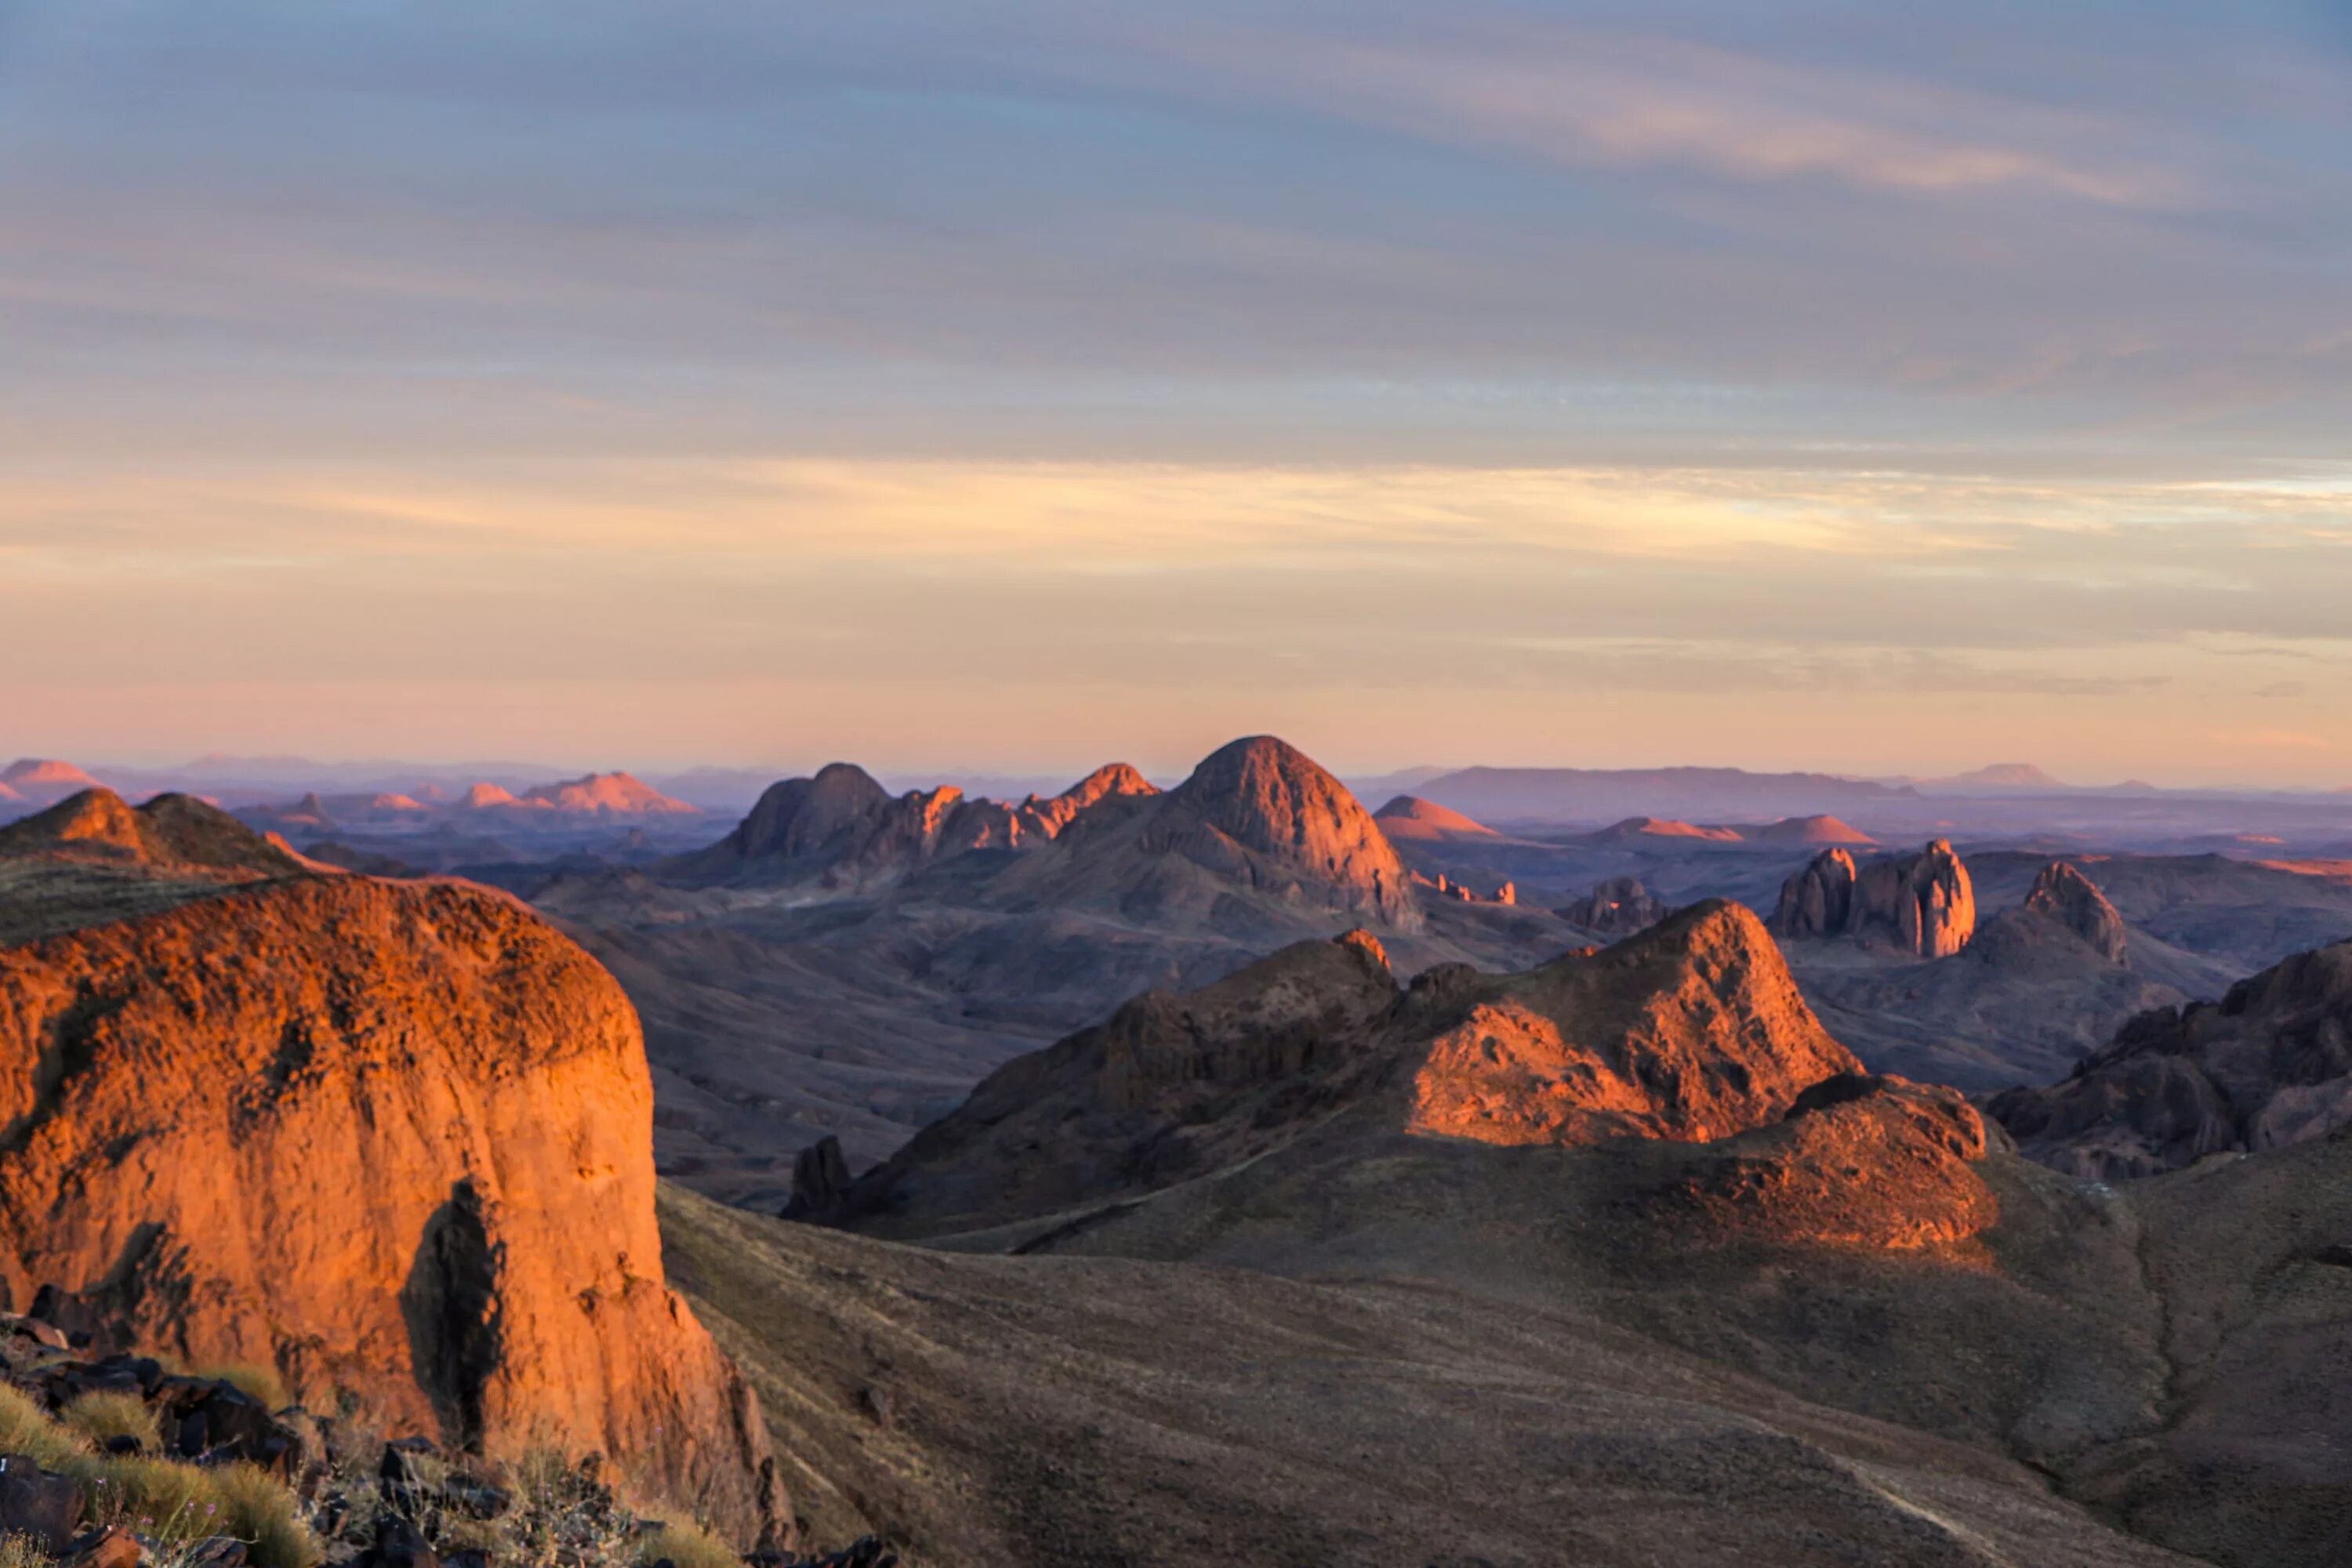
37,1503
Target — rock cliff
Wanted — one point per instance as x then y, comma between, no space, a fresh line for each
1616,907
393,1140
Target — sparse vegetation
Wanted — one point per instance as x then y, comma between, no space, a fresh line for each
261,1512
22,1551
101,1416
26,1428
686,1544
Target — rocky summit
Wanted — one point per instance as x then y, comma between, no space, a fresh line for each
2064,894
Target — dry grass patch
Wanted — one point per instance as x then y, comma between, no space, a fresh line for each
102,1414
26,1428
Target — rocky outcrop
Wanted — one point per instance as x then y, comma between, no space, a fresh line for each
393,1140
1923,904
2270,1064
2065,895
1617,907
1693,1031
1408,818
1880,1162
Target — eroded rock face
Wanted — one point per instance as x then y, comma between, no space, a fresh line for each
1112,781
2270,1064
2064,894
392,1139
1922,903
1619,907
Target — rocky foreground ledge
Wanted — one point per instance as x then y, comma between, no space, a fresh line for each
123,1462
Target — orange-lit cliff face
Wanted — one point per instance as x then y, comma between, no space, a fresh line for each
392,1139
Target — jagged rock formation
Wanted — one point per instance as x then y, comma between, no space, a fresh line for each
1111,781
1617,907
1410,819
844,829
390,1139
1445,886
1922,904
2270,1064
2066,895
1693,1031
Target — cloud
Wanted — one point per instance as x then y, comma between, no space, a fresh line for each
1586,96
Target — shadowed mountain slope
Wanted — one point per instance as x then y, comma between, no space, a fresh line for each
1691,1031
2268,1064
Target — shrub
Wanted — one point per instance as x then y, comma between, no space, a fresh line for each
26,1429
102,1414
688,1545
22,1552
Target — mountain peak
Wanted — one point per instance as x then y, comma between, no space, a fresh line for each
1267,795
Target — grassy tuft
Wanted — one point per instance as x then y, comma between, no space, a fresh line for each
262,1511
26,1428
103,1415
22,1552
154,1497
688,1545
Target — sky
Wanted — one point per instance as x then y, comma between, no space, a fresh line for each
1861,387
